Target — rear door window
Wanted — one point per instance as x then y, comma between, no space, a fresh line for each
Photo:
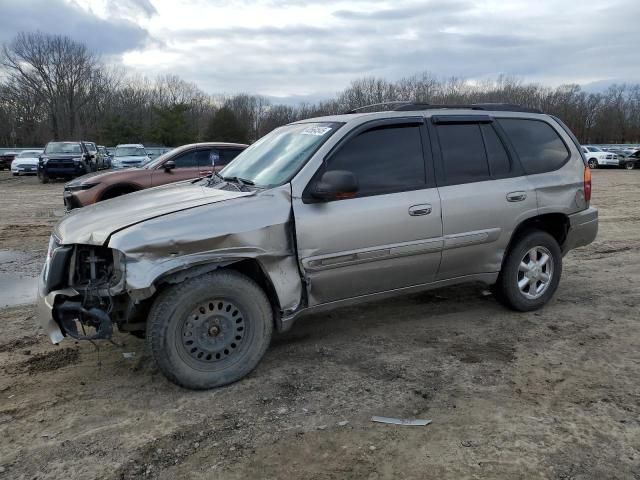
537,144
228,154
463,153
499,161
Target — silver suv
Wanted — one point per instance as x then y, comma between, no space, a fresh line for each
318,214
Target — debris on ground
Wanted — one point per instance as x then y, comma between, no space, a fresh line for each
401,421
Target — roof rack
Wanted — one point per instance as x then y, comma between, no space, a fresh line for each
404,106
395,102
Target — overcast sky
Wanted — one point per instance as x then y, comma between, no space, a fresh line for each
293,48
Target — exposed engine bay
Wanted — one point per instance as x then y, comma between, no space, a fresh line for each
97,275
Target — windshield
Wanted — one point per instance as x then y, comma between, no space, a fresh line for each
130,152
594,149
29,154
277,156
63,147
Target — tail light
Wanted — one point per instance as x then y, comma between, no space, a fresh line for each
587,184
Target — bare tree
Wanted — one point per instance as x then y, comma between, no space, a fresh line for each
56,71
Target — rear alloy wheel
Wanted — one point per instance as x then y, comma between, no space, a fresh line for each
531,272
593,163
535,272
210,330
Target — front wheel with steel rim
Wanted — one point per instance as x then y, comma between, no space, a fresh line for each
210,330
530,272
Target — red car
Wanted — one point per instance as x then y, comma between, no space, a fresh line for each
182,163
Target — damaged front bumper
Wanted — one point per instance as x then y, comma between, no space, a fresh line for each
44,311
66,307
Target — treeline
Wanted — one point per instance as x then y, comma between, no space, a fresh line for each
52,87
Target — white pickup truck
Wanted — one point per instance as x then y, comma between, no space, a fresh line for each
596,157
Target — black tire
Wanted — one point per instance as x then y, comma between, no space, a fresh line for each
15,174
630,165
217,358
43,177
507,289
593,163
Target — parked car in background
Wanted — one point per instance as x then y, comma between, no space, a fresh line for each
129,155
630,159
106,157
26,163
6,157
596,157
319,214
182,163
155,152
94,160
64,160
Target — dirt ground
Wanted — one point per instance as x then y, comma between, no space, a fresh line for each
550,394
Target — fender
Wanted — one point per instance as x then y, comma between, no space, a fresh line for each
171,247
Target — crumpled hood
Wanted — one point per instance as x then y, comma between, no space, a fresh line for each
94,224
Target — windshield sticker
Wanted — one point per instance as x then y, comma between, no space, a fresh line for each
317,131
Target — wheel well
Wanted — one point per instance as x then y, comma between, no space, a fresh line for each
117,190
252,269
555,224
248,267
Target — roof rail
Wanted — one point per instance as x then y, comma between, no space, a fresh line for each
395,102
495,107
406,106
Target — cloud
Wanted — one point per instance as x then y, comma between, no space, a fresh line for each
304,49
131,7
59,17
409,12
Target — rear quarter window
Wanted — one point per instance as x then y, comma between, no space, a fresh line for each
537,143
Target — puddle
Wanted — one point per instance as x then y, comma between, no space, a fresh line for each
17,287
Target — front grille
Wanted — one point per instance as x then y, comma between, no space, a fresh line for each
60,163
25,165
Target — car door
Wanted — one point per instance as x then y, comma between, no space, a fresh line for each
187,166
484,191
389,234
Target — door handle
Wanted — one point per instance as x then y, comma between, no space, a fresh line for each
516,196
418,210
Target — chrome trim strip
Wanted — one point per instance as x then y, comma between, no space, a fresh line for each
471,238
384,252
325,262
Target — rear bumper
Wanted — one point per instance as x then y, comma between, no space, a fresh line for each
583,229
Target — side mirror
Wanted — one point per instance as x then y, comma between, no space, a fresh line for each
335,185
169,165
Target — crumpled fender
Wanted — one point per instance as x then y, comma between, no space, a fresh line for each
250,227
